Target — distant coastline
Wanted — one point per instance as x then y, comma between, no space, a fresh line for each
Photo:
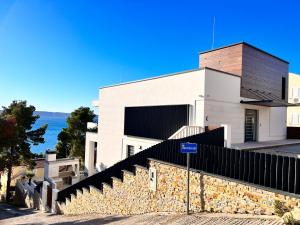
51,114
56,122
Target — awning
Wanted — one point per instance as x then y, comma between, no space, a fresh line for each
264,98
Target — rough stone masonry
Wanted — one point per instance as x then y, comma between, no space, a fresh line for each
207,193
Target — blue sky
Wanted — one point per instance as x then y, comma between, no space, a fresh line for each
57,53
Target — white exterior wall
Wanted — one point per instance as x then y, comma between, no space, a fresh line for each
183,88
214,97
139,144
222,106
90,140
52,167
293,112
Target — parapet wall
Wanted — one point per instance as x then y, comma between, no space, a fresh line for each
207,193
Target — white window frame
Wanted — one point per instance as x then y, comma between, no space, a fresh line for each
295,92
130,149
295,118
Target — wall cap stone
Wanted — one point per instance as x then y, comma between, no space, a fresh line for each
107,185
85,190
93,188
128,172
140,167
116,179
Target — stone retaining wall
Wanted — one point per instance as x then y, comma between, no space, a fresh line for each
27,196
207,193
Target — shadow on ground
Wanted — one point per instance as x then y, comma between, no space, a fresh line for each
97,221
8,211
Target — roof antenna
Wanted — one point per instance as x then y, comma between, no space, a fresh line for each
213,33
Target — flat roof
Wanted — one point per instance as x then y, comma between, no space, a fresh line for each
152,78
168,75
244,43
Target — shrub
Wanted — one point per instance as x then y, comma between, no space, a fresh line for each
288,219
279,208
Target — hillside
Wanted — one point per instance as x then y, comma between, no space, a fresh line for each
52,114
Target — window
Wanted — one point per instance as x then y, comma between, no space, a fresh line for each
283,83
295,92
130,150
95,153
295,119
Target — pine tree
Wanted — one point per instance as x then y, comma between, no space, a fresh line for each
71,140
16,137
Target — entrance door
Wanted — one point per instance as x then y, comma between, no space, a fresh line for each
49,196
250,125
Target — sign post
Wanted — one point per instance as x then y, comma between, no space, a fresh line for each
188,148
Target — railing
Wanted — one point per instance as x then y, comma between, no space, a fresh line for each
167,150
271,171
187,131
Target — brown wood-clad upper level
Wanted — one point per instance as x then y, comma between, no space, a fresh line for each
258,69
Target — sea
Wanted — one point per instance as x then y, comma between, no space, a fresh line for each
56,122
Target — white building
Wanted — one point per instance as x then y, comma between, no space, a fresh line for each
238,85
58,174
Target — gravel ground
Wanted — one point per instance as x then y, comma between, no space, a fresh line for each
10,216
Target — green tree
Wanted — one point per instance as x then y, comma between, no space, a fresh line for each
7,136
71,140
16,149
7,131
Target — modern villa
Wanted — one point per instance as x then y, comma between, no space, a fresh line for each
239,86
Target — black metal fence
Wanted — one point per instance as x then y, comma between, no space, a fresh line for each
167,150
272,171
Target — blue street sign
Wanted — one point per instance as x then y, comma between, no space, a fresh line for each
188,147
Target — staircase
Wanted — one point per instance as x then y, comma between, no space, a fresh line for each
167,150
187,131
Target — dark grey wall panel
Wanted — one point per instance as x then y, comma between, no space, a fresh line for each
157,122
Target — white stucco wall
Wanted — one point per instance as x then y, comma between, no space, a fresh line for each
90,140
139,144
222,106
52,167
222,103
293,112
215,96
181,88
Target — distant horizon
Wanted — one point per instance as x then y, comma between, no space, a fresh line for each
47,111
52,112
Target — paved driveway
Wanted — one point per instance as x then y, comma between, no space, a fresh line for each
11,216
289,150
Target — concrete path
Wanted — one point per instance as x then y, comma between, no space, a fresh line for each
10,216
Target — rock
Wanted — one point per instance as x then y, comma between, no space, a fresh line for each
296,214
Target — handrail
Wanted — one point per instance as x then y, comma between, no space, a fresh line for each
186,131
